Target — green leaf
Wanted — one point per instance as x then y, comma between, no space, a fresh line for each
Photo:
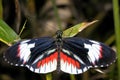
7,35
77,28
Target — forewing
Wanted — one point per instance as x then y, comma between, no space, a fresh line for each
82,54
36,54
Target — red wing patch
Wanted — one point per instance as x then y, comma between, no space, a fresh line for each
47,64
47,60
69,61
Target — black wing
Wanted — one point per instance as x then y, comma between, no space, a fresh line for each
78,55
39,55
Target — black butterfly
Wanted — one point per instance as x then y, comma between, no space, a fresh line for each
71,55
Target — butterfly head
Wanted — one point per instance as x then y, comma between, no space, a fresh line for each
59,34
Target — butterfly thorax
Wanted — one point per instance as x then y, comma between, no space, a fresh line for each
59,35
59,38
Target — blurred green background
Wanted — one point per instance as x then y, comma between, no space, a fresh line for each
42,21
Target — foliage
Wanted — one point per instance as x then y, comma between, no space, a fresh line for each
7,35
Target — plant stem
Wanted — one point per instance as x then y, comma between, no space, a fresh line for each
48,76
72,77
117,30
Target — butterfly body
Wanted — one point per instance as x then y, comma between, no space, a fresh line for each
71,55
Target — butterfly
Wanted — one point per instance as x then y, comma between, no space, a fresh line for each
71,55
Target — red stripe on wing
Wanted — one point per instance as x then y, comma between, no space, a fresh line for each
18,51
48,59
69,60
101,51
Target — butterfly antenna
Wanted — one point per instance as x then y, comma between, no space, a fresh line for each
23,28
